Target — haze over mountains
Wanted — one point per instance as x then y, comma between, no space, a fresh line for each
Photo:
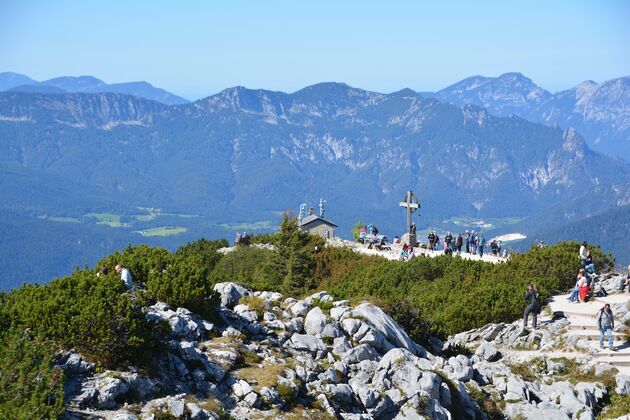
599,111
85,84
237,159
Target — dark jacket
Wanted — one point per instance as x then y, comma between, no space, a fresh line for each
533,298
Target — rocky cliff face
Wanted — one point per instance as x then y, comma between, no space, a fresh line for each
273,357
599,111
242,146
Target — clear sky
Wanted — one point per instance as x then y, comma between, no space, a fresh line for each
196,48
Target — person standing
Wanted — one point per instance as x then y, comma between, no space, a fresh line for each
125,275
459,241
532,297
447,240
482,244
606,324
583,255
467,239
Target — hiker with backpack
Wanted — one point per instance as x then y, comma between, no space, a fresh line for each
532,297
606,324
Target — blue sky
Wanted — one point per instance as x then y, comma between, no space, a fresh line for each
198,48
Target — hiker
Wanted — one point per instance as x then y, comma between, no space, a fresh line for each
582,254
499,248
436,241
458,243
532,297
125,275
541,245
447,240
237,240
103,271
396,240
431,239
482,244
589,266
606,324
573,296
467,239
473,242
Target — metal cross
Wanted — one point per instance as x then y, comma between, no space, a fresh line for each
411,204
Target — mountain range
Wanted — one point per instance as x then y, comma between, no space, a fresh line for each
237,159
599,111
15,82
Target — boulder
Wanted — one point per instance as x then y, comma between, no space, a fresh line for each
315,321
359,353
305,342
488,352
331,331
623,384
383,323
230,293
299,308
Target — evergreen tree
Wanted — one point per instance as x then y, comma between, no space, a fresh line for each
292,259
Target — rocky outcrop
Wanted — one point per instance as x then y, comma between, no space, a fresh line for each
349,362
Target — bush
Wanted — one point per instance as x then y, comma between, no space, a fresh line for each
141,260
185,283
205,249
30,386
89,313
452,294
248,265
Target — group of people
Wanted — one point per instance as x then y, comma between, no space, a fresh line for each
243,239
472,242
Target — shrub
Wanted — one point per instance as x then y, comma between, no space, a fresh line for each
30,386
184,283
205,249
246,265
89,313
452,294
141,260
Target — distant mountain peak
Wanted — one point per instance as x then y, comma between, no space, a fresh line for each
86,84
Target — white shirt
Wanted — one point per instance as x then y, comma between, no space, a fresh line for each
582,252
125,276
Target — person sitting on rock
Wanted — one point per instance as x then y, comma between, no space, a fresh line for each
404,254
532,297
585,289
574,296
606,324
588,263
